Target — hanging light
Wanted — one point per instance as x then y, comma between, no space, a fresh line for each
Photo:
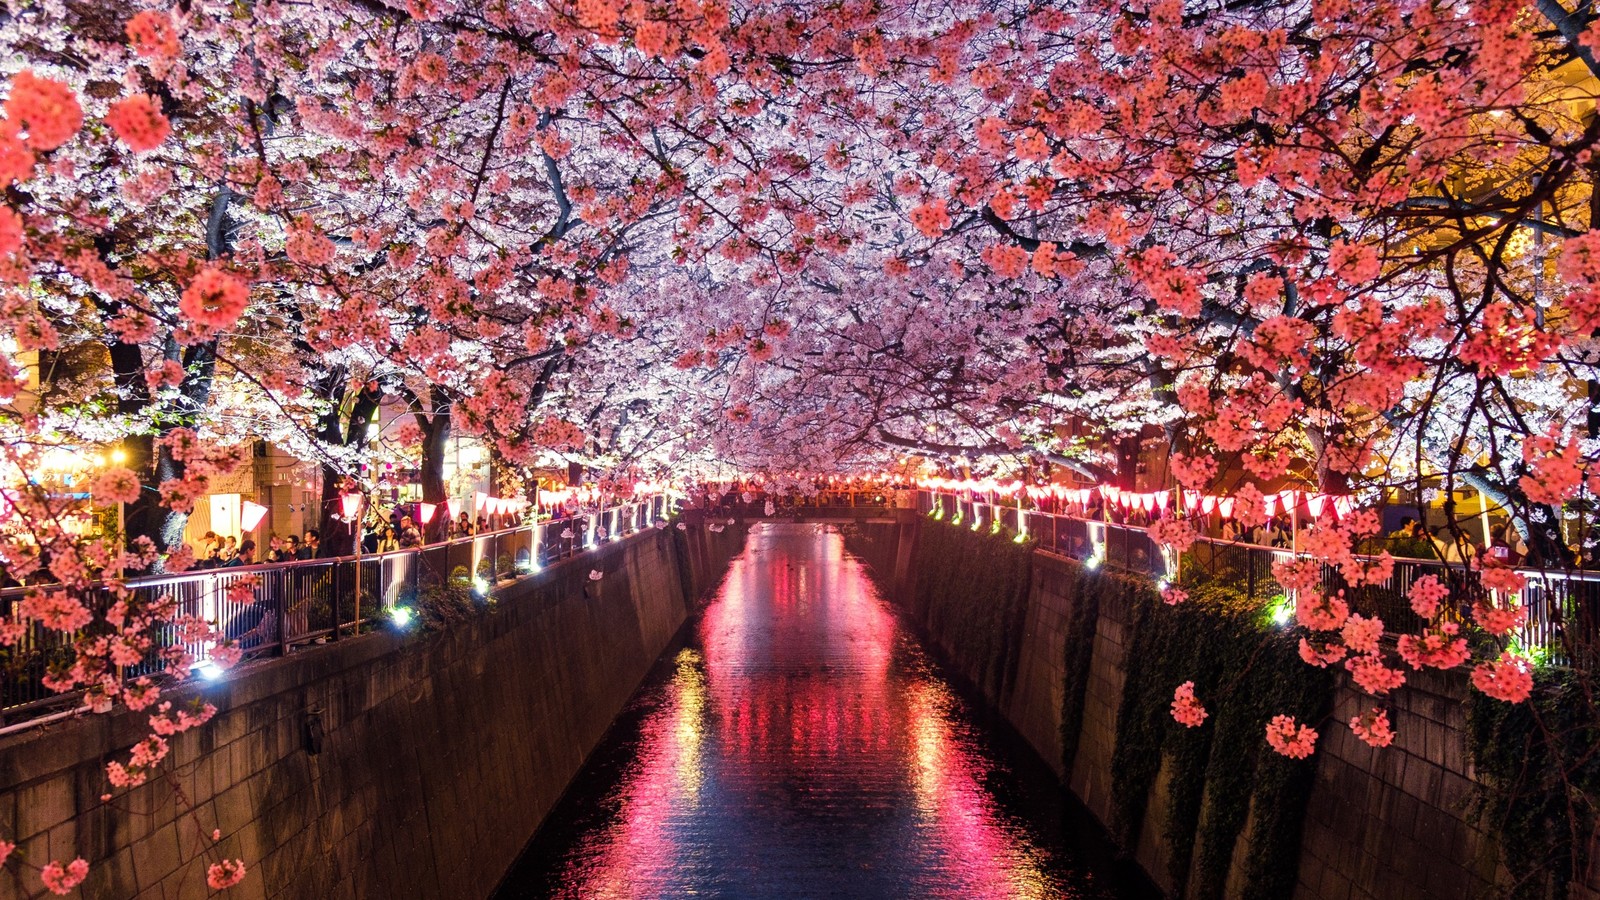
250,515
350,504
1315,503
425,511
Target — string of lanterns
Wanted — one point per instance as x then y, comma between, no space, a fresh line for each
1286,502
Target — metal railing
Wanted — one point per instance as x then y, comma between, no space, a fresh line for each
1563,607
272,608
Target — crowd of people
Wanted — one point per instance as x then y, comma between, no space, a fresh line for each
396,531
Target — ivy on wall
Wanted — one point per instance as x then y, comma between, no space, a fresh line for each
1221,775
1078,652
970,593
1538,774
974,611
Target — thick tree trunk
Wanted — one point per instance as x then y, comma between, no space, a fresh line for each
339,536
1128,462
435,444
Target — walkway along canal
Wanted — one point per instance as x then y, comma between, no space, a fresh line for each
802,744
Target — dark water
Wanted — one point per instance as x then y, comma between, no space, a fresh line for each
802,745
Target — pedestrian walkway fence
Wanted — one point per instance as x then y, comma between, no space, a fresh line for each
1563,606
273,608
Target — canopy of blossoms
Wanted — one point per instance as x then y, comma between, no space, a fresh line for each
1344,246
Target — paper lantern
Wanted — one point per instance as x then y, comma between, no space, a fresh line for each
1147,502
1315,503
250,515
479,501
350,504
454,506
1225,507
1191,499
1162,499
1270,503
1344,504
1208,503
425,511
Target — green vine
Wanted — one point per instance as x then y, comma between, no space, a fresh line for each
974,613
1220,774
1078,653
1538,775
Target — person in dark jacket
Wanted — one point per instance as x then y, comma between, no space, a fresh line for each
245,557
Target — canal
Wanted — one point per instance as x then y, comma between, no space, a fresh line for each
801,744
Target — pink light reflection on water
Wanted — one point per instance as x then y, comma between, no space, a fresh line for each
802,747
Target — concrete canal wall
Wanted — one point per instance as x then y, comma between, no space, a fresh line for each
1390,824
389,765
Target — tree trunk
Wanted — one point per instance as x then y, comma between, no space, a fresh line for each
1128,462
435,444
339,536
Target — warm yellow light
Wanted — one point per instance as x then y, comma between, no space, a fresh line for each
119,456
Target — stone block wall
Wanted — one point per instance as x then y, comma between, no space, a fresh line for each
1391,824
389,765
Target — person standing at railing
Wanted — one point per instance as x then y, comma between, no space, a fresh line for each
1502,551
387,542
245,557
1448,548
308,548
409,536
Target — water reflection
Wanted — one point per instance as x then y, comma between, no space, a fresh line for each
802,746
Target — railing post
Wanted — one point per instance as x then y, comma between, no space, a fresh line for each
333,601
281,610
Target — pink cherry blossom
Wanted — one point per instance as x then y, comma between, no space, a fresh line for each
1372,727
59,879
1370,673
1185,708
214,300
46,108
1510,678
1288,737
1361,634
1440,647
139,122
1426,594
223,875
